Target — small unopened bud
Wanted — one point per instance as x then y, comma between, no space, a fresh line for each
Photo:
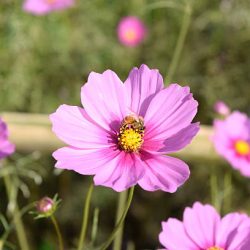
45,205
221,108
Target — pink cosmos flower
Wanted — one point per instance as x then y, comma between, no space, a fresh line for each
42,7
232,141
131,31
221,108
124,131
6,147
202,228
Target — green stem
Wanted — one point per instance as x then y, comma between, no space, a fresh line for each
213,186
227,191
94,226
180,42
58,232
163,4
106,244
7,232
121,204
85,217
215,194
16,217
131,245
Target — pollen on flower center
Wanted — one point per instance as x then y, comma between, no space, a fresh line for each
215,248
50,1
242,147
130,138
130,34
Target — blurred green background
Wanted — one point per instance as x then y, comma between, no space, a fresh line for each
44,60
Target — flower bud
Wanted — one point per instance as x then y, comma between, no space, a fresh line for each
45,205
221,108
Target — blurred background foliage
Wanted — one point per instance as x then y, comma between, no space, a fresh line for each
45,60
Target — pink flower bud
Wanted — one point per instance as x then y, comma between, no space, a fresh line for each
45,205
221,108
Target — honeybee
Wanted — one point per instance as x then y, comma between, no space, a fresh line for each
134,122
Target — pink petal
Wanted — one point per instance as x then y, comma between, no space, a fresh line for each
104,100
36,7
174,237
175,142
41,7
224,138
237,125
83,161
221,108
227,231
171,110
6,148
221,138
200,223
62,4
243,165
163,172
4,134
241,239
120,173
72,125
141,86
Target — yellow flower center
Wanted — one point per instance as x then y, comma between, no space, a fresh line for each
130,138
215,248
50,1
130,34
242,147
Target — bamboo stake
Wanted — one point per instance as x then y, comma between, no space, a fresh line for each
32,132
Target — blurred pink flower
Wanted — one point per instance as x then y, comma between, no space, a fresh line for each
124,131
131,31
42,7
6,147
232,141
221,108
202,228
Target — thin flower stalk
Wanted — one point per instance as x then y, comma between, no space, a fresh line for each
120,222
180,42
120,208
85,217
58,232
23,242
